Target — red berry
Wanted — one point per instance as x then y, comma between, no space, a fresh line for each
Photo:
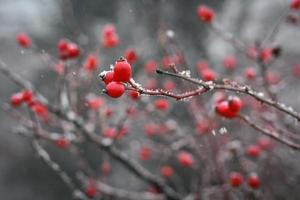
272,78
265,143
95,103
236,179
205,13
266,55
109,77
23,40
108,30
134,94
110,133
130,55
91,190
166,171
62,47
91,63
111,41
222,108
295,4
27,95
253,181
203,126
73,50
161,104
230,62
253,150
16,100
122,71
115,89
235,104
151,129
62,143
185,159
145,153
250,73
208,75
150,66
167,61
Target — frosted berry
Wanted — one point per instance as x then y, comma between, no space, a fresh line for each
122,71
115,89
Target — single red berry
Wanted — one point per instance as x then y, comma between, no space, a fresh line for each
95,103
115,89
122,71
134,95
265,143
235,179
253,181
23,40
266,55
250,73
27,95
108,30
203,126
111,41
109,77
166,171
151,129
272,78
131,56
230,62
253,150
205,13
208,75
167,61
73,50
150,66
161,104
235,104
185,159
40,110
62,143
91,190
91,63
222,108
252,53
145,153
62,47
16,100
110,132
295,4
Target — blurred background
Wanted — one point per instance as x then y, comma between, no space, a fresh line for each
138,22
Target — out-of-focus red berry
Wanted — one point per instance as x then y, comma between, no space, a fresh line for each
208,75
161,104
16,100
230,62
105,167
295,4
145,153
110,132
166,171
95,103
150,66
253,150
23,40
265,143
62,143
91,190
91,63
236,179
134,95
169,85
253,181
205,14
131,56
185,159
250,73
